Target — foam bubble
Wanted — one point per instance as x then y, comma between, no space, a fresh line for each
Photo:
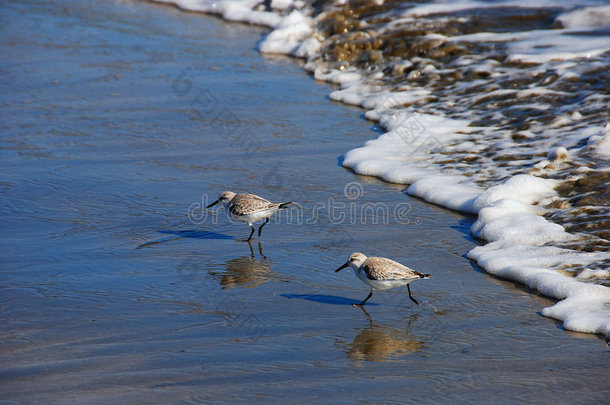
559,154
289,35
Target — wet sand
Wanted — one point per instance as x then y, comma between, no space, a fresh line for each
120,121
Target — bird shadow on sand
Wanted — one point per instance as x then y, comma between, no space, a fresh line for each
176,235
325,299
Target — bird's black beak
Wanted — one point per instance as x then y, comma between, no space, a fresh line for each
342,267
213,204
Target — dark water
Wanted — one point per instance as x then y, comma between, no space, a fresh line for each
119,121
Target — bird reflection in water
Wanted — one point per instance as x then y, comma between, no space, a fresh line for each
380,343
246,271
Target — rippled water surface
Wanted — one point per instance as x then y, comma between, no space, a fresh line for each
120,121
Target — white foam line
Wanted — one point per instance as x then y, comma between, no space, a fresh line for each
443,7
231,10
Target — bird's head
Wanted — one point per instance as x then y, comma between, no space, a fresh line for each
355,260
224,198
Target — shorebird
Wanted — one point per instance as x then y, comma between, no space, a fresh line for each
248,208
381,273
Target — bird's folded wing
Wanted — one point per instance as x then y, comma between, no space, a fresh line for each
243,204
380,268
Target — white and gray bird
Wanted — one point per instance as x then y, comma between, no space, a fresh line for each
381,274
248,208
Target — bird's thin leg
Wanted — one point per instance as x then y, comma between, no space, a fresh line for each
410,296
365,300
261,228
251,233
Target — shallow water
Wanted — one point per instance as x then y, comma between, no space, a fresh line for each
120,121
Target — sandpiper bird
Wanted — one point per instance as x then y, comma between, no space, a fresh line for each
248,208
381,273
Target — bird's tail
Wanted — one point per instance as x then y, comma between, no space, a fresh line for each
422,275
285,204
